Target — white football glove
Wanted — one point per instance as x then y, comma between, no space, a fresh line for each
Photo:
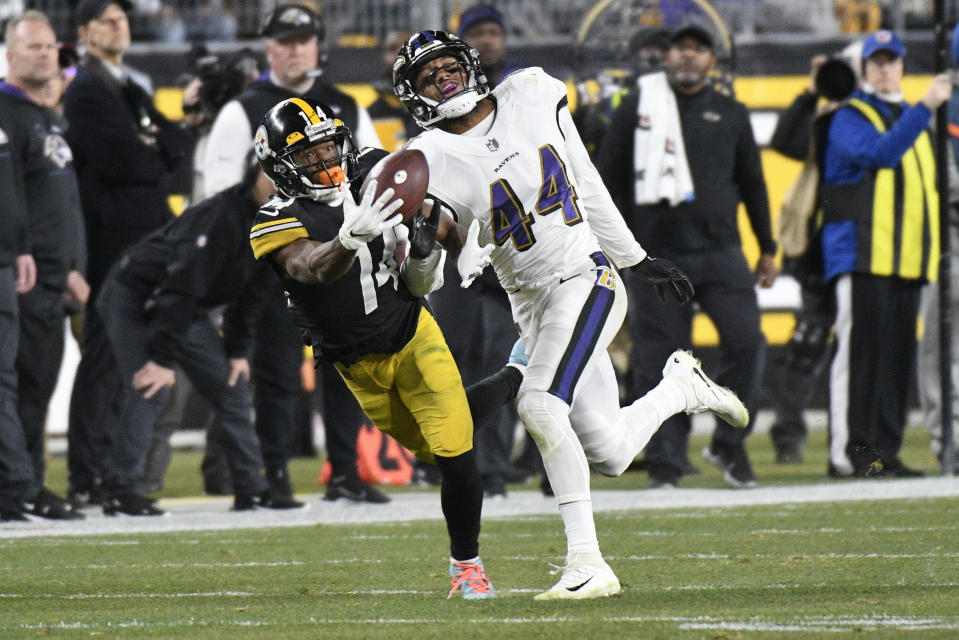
473,257
365,221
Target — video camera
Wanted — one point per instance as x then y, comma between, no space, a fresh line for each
836,79
222,77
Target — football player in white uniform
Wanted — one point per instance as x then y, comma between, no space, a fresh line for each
510,165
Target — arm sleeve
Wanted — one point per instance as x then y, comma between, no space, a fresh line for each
227,147
793,132
17,199
752,185
603,217
425,275
76,241
861,144
240,316
614,157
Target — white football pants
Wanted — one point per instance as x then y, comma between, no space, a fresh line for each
569,399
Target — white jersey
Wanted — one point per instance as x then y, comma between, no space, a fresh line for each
530,183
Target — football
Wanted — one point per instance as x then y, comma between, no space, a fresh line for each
408,173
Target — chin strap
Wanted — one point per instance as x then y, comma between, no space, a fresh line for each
459,105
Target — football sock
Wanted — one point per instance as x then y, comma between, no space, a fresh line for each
580,528
461,497
489,394
667,398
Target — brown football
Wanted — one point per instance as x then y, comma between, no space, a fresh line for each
408,173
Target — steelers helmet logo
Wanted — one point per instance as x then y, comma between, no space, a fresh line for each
260,146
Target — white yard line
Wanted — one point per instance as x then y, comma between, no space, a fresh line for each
819,624
211,514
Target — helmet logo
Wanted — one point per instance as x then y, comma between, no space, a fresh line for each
260,145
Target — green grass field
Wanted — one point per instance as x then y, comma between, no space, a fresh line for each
876,569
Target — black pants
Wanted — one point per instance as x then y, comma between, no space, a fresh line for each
17,481
38,364
95,401
202,356
94,404
725,292
277,356
874,360
342,417
805,359
277,360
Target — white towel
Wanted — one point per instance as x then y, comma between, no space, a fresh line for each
659,155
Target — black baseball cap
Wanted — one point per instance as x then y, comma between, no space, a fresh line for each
478,14
700,34
289,20
89,10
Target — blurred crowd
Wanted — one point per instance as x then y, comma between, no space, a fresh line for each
179,326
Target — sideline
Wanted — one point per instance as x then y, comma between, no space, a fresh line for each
211,514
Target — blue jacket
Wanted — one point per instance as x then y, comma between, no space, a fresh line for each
853,147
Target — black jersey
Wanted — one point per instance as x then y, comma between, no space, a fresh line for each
368,310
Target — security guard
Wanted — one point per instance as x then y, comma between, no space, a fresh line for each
880,245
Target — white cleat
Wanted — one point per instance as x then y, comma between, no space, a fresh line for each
707,395
585,576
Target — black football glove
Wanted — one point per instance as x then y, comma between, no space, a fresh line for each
423,230
663,275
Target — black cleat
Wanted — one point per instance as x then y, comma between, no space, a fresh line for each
131,504
265,500
50,506
353,489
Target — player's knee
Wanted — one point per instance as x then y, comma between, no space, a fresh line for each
538,410
614,464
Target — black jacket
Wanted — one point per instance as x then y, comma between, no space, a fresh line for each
124,152
195,263
261,95
724,163
13,238
793,133
45,165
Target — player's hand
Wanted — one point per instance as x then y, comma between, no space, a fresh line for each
78,290
938,92
239,368
26,273
473,257
365,221
151,378
423,228
766,270
814,65
664,275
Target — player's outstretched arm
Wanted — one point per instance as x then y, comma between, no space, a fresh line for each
422,270
312,262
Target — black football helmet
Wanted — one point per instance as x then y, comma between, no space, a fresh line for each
420,49
291,128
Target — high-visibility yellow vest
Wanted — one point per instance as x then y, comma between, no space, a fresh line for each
897,210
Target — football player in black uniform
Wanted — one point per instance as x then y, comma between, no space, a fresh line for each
359,297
